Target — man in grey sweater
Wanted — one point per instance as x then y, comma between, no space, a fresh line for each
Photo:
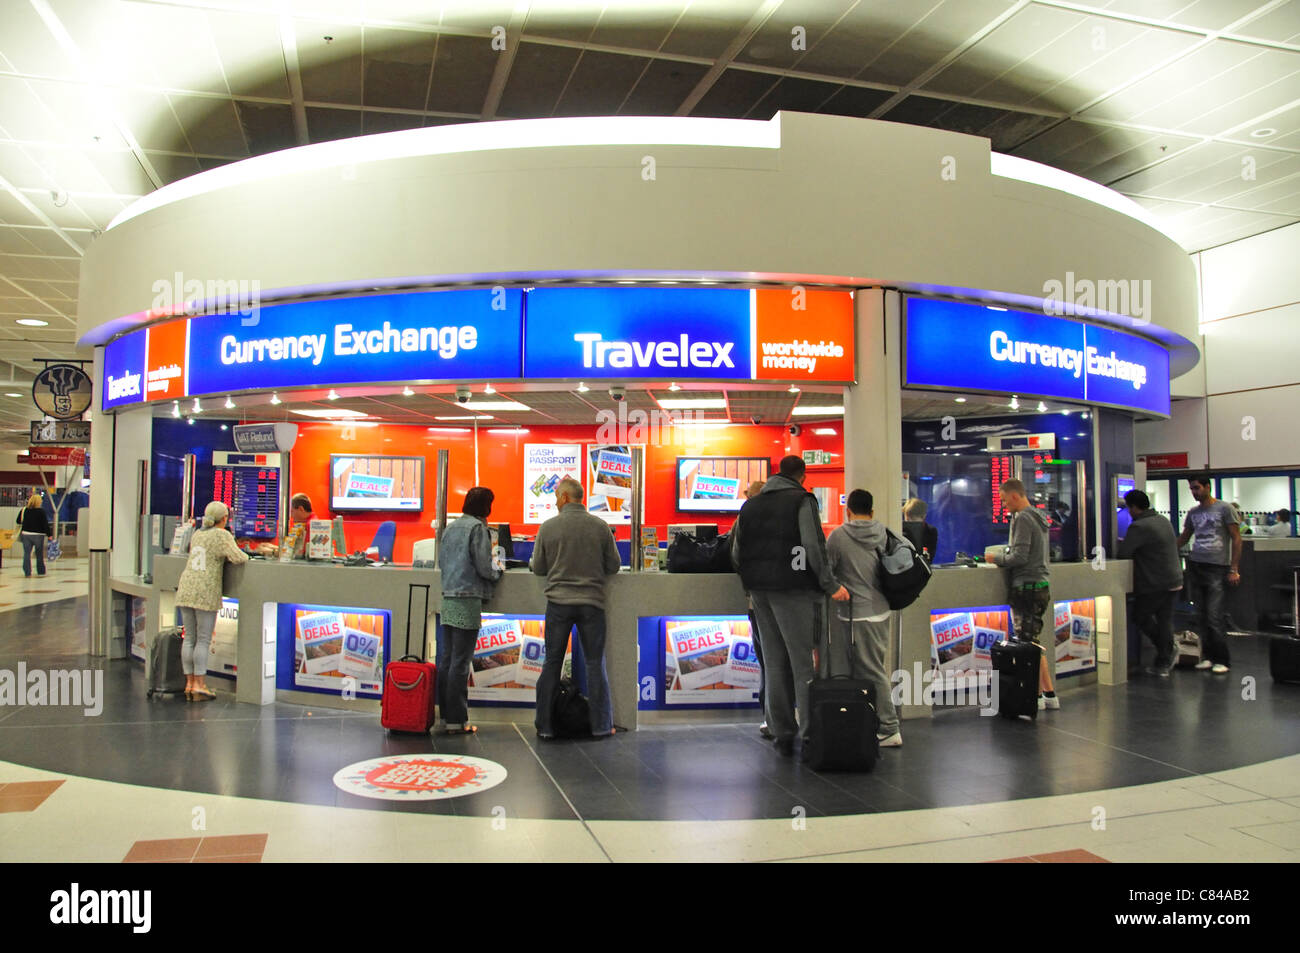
1028,590
1157,577
854,553
575,551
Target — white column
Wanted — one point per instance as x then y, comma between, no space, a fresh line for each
133,442
873,418
101,465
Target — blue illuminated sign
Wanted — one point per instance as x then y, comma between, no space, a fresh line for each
971,347
442,335
621,333
124,371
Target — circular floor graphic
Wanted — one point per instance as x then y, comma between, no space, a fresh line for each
422,777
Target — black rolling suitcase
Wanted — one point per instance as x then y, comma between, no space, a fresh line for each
166,676
1017,666
842,725
1284,659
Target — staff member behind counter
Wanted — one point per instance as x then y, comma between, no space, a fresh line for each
300,513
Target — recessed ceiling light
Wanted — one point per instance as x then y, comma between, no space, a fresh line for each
489,389
330,414
225,427
447,429
333,395
825,431
230,404
466,417
811,411
32,322
693,403
407,392
275,398
13,395
1042,408
494,405
582,387
960,400
673,387
190,421
793,389
198,408
1015,403
176,408
1263,132
509,432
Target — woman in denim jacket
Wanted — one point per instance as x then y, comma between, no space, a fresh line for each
465,558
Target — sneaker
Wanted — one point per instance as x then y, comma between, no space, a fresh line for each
1052,703
1219,668
765,731
1203,664
1042,703
890,741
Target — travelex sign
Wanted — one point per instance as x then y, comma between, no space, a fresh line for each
964,346
492,334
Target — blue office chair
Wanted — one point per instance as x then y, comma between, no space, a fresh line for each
382,544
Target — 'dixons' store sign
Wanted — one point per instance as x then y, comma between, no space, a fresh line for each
723,334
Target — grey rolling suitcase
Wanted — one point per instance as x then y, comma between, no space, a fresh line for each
167,677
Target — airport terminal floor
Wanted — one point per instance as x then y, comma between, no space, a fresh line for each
1153,770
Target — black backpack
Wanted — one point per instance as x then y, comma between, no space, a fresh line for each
571,716
903,572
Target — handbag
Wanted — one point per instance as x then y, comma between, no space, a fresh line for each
686,553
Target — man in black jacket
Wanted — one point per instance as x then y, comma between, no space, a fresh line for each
778,547
1157,577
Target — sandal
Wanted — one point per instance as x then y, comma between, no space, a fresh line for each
466,730
189,695
202,695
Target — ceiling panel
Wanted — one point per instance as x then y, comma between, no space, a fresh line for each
734,94
250,52
326,124
1202,14
14,212
29,46
1210,90
635,28
211,126
776,42
600,83
1057,59
398,64
934,31
796,95
331,70
1281,25
663,87
267,126
537,78
1103,153
707,27
462,73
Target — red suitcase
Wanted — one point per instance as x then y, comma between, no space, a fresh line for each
408,700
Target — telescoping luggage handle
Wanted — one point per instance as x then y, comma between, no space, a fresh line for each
824,663
410,601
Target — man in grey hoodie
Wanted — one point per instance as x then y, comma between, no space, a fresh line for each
1029,593
854,553
1157,577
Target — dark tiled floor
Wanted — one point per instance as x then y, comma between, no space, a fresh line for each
1148,730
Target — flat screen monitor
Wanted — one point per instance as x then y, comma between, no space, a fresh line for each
717,484
376,484
1123,484
250,490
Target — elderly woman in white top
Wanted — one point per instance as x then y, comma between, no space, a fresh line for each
199,595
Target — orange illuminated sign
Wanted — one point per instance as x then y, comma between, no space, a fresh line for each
803,335
165,361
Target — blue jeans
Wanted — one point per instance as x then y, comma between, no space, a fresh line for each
37,542
455,650
1208,588
590,620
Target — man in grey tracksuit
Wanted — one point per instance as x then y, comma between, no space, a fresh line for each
1028,590
779,550
854,552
